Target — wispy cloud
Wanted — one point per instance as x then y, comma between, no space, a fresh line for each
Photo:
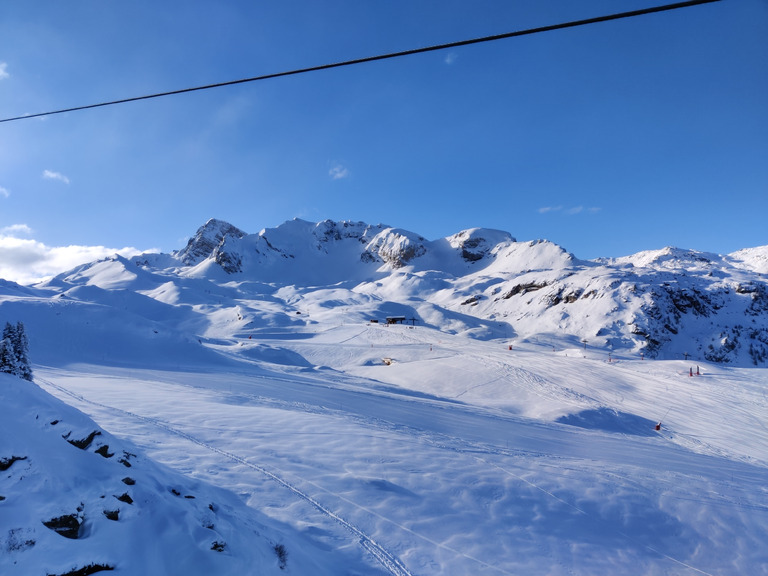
571,211
450,58
26,261
15,230
338,172
4,71
51,175
4,192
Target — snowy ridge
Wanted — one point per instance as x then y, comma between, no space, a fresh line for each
755,259
667,303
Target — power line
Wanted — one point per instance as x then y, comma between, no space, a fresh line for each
460,43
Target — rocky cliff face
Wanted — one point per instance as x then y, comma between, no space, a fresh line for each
394,247
207,241
476,244
221,243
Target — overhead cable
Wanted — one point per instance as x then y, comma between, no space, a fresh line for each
458,44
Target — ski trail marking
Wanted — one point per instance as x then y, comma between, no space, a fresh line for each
409,531
384,557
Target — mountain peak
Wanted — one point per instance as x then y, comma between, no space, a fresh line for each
476,243
205,241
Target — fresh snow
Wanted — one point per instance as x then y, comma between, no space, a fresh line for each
456,443
162,522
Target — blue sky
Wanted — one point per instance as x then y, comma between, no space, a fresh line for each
608,139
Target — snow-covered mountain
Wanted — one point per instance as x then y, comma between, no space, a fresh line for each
668,303
243,406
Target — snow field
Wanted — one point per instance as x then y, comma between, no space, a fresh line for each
266,390
451,460
134,515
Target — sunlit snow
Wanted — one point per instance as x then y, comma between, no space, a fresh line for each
262,411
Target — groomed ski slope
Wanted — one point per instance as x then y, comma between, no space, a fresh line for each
458,456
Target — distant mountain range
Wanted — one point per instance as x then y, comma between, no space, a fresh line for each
226,284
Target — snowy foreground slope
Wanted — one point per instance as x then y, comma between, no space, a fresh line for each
75,498
245,371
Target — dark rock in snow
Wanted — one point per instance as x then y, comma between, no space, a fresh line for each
205,241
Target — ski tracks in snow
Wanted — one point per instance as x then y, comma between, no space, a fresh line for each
532,383
479,451
388,560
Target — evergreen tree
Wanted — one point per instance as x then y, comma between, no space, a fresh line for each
9,332
21,348
14,351
8,362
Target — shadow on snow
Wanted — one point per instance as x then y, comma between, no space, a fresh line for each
609,420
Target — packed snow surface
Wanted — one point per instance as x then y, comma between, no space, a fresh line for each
271,427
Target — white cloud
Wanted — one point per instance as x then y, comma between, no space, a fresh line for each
450,58
4,192
338,172
16,229
3,73
580,209
27,261
572,211
50,175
